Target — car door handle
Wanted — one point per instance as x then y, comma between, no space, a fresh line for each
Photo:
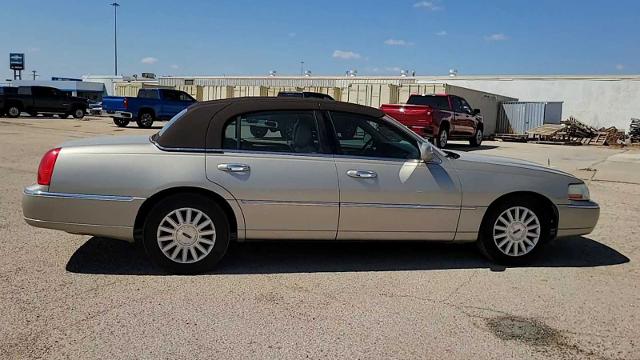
362,174
234,167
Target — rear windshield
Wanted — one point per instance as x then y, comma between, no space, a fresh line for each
435,101
171,122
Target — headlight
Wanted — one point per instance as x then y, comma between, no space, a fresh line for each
578,192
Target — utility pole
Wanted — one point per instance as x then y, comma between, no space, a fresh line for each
302,68
115,36
34,74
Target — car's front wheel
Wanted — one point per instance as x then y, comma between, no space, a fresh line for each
476,140
513,232
186,234
78,113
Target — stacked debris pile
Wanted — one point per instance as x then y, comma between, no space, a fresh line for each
574,132
634,131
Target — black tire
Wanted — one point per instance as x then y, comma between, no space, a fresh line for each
121,122
180,201
145,119
490,239
258,131
476,140
443,137
78,113
13,111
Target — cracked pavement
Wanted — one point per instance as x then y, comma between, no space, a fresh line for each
70,296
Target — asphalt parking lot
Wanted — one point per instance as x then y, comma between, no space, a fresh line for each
70,296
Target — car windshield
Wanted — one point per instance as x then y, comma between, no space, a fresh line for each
171,122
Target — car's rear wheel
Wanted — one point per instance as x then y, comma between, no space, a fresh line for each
78,113
13,111
443,137
145,119
121,122
513,232
476,140
186,234
258,131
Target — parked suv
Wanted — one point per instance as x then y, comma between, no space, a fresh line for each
41,99
440,117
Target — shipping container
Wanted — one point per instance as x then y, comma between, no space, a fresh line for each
517,117
217,92
372,95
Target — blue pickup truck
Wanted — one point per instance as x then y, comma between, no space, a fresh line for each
150,105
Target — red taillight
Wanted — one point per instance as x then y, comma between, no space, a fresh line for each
125,102
45,170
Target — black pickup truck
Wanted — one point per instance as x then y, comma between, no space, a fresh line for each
40,100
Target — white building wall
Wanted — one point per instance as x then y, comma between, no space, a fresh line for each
599,102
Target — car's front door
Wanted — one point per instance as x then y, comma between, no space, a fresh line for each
386,192
464,118
286,184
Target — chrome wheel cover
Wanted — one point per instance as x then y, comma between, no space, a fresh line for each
186,235
516,231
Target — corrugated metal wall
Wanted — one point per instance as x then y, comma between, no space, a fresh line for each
518,117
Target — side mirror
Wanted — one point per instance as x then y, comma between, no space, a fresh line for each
476,111
426,154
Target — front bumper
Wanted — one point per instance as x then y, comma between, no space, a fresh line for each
577,218
98,215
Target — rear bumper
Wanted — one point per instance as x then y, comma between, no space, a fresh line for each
578,218
97,215
117,114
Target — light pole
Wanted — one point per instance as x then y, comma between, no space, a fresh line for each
115,36
301,67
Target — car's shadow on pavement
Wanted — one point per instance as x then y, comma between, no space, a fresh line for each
106,256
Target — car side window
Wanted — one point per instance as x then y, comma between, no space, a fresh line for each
365,136
465,106
273,131
185,97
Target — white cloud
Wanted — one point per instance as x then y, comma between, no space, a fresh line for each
149,60
442,33
619,67
428,5
346,55
396,42
174,66
496,37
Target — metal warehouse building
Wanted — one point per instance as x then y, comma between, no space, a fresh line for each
599,101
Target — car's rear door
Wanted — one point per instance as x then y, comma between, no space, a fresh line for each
285,180
386,192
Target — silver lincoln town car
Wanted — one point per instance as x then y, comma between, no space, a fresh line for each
289,168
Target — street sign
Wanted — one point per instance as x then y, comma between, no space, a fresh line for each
16,61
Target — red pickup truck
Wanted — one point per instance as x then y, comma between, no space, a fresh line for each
441,117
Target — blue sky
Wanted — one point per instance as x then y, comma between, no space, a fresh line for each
243,37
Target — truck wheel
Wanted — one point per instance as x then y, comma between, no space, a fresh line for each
120,122
476,140
258,132
145,119
78,113
13,111
443,137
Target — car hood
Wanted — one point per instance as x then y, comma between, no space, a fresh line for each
510,162
108,140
